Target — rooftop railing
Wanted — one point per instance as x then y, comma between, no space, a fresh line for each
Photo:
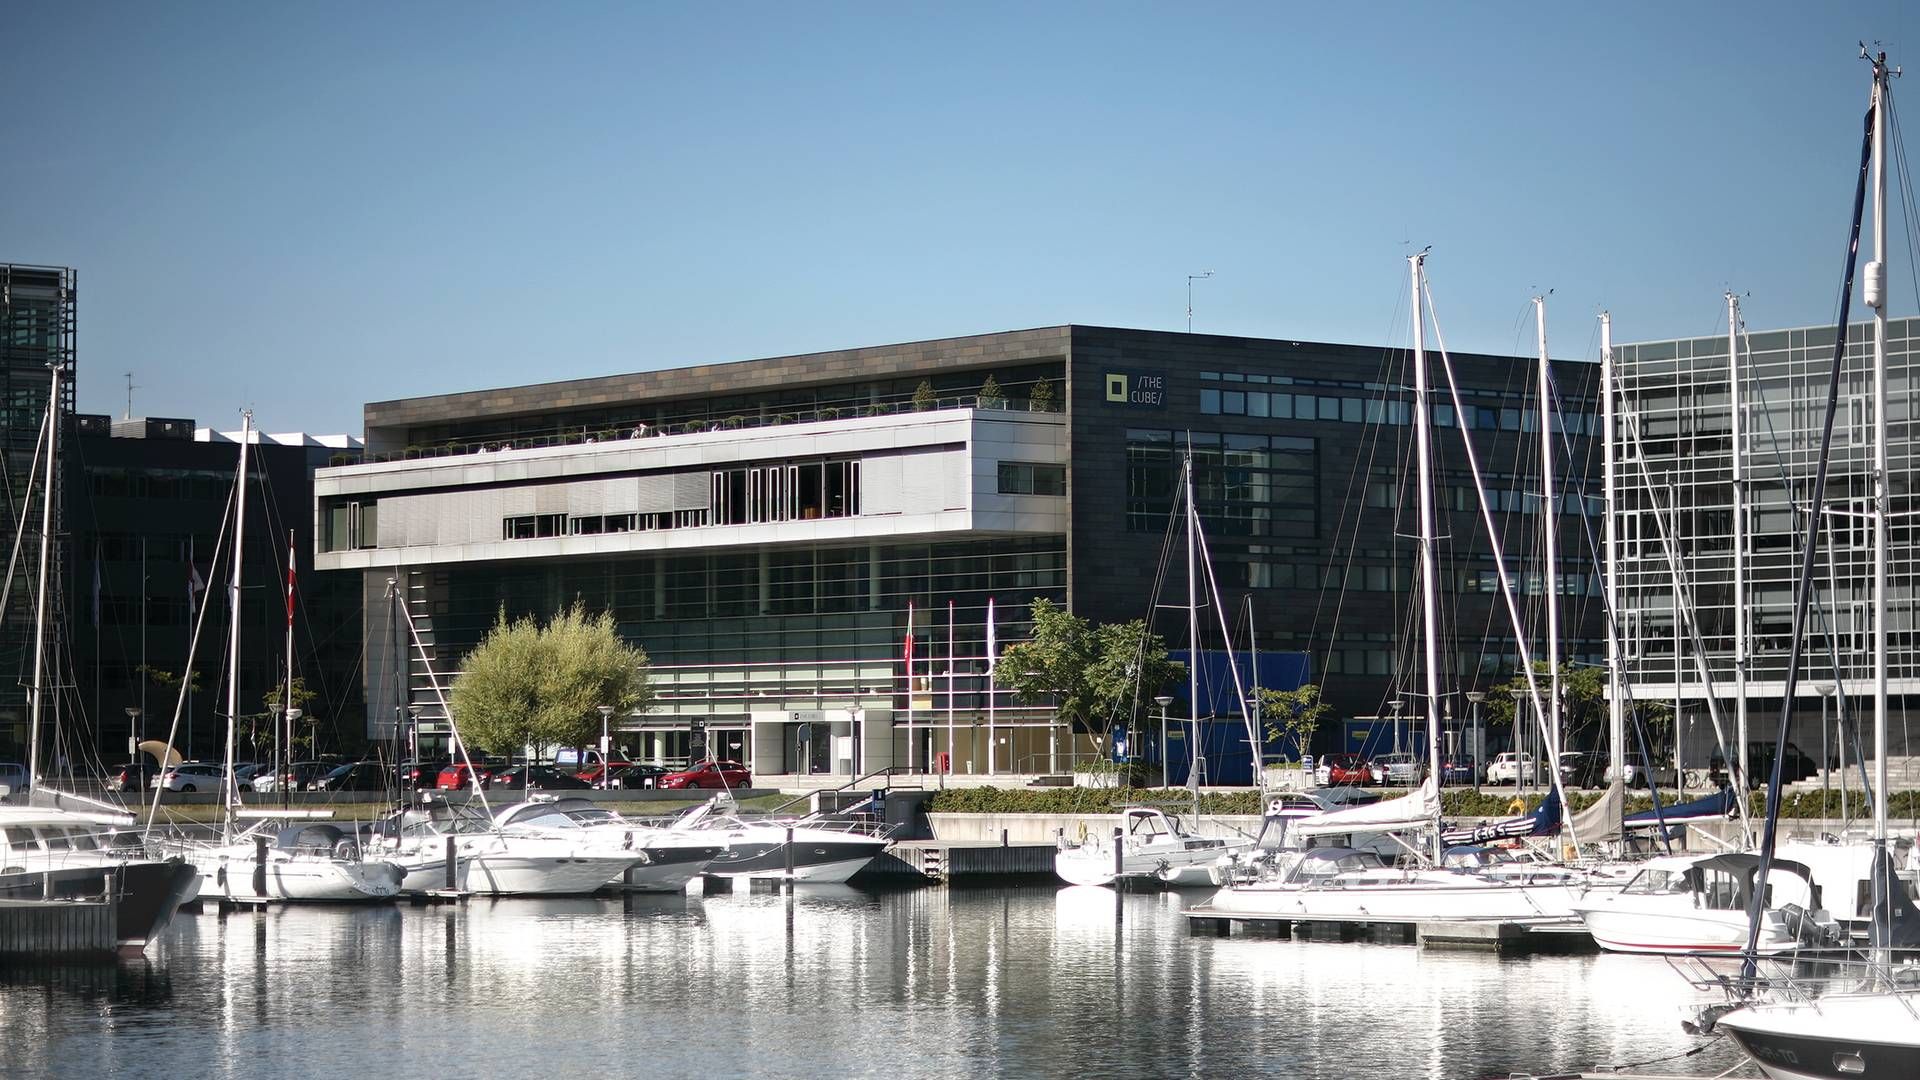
580,435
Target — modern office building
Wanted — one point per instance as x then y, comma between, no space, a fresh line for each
36,336
147,500
1674,476
782,534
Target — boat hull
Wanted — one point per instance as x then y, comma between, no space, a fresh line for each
1870,1036
669,868
511,874
1678,933
1399,903
148,894
826,861
231,876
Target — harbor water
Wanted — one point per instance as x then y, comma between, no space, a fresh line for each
1024,979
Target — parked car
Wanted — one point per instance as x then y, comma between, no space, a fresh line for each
13,777
1583,768
134,776
359,776
535,778
296,776
1398,768
458,775
1512,767
638,776
1640,776
1794,765
243,775
591,772
420,774
1459,770
1337,769
191,776
707,774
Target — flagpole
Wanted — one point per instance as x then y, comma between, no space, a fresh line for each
280,780
950,736
992,660
909,658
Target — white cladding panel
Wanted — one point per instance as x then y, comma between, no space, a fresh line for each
914,483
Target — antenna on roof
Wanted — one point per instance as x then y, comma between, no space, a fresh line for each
130,390
1191,278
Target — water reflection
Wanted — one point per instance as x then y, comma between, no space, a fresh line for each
938,983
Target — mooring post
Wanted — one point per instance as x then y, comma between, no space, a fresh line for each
1003,838
260,866
789,850
1119,856
453,865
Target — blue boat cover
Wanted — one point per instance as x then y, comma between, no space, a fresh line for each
1718,805
1544,821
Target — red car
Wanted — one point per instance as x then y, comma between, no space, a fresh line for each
1348,769
708,774
591,774
455,777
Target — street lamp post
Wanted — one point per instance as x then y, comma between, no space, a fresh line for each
280,781
133,741
1397,705
1826,766
1163,701
606,717
1477,748
1520,756
277,709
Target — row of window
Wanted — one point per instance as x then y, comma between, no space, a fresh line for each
1461,499
805,492
1244,485
1290,405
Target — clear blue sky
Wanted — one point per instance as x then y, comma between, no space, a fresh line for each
305,207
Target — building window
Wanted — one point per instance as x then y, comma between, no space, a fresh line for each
533,526
352,526
1021,478
598,524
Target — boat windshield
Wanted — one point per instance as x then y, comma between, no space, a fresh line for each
1319,866
1651,882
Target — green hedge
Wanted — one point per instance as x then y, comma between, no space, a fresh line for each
1904,806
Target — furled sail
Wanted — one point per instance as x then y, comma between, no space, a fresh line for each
1416,810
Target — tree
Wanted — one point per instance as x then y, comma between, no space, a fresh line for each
923,396
1040,398
1293,712
537,685
991,396
1095,674
1583,697
275,701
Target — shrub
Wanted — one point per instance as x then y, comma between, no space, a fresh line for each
1040,398
923,396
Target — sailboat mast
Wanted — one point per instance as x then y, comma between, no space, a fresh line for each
230,788
1429,586
47,497
1876,298
1549,515
1739,540
1616,699
1194,760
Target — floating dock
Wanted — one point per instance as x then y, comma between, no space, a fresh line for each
951,860
1477,935
58,929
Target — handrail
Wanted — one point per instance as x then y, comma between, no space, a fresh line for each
891,770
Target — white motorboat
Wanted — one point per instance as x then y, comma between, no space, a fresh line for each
668,858
312,862
1873,1033
1698,904
1151,844
818,848
495,859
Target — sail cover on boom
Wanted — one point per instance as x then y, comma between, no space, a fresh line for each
1544,821
1413,811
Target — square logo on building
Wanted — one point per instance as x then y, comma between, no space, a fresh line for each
1137,389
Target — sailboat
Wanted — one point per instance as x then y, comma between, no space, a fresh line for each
273,859
1345,883
63,846
1864,1022
1149,842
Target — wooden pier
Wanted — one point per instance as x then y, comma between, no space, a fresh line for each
58,929
1475,935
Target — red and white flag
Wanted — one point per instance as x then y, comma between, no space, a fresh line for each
909,647
289,580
